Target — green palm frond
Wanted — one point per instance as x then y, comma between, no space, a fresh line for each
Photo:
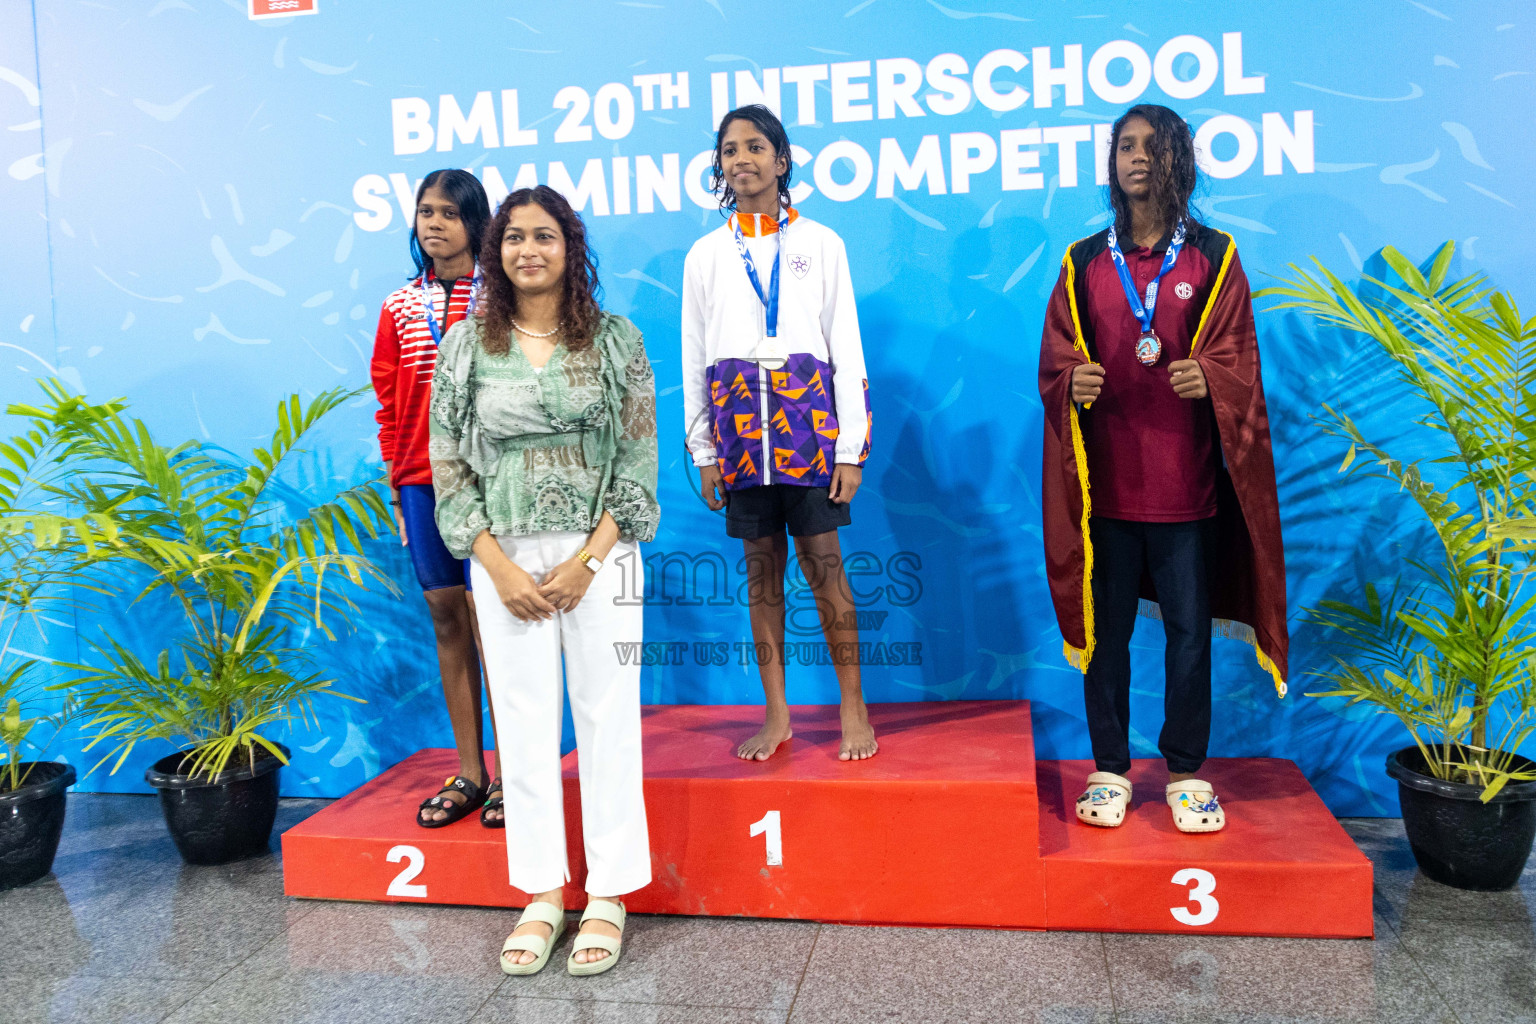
20,719
295,420
215,703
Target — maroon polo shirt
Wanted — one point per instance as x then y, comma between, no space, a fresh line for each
1151,454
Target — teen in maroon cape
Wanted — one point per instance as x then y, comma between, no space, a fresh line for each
1149,375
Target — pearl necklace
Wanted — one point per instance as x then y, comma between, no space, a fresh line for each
525,332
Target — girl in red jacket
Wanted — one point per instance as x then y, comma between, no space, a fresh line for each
451,214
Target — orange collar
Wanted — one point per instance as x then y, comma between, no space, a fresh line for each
754,225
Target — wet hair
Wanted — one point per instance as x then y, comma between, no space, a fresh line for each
464,191
1173,173
767,122
580,314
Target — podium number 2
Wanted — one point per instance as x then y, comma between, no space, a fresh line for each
775,838
415,861
1202,883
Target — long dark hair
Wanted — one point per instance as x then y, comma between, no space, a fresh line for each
464,191
580,314
772,128
1173,173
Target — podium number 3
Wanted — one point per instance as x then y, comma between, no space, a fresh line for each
1202,883
415,861
775,838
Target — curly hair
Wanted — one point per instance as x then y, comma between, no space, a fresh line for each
767,122
580,314
1174,176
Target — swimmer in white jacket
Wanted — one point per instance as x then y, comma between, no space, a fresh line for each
777,406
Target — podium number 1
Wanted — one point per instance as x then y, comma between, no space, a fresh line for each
775,838
1202,883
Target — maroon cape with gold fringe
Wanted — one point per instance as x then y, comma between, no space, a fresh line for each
1248,568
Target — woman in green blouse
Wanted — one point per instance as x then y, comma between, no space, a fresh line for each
544,462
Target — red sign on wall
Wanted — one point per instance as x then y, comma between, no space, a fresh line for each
282,8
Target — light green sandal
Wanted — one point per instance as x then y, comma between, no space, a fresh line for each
540,913
598,910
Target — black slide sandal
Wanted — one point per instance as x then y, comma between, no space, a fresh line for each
493,803
473,794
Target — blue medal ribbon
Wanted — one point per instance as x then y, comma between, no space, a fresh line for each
1143,310
426,303
771,300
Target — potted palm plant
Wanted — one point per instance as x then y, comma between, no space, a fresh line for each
1450,650
36,586
207,535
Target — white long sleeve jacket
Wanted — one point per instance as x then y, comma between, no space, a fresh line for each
816,406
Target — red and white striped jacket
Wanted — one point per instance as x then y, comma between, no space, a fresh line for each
404,356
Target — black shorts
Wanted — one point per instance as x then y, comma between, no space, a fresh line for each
766,511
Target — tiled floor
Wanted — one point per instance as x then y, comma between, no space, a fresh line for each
124,932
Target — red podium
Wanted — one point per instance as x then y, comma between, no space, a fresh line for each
953,823
1282,866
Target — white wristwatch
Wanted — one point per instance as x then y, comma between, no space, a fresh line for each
589,560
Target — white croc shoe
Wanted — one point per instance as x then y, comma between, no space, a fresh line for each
1195,807
1105,801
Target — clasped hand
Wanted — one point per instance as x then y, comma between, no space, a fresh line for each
530,600
1185,375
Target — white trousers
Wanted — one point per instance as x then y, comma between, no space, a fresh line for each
523,665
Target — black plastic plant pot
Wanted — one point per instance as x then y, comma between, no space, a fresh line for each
31,821
1456,838
215,821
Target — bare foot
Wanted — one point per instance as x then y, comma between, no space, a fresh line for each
596,927
539,928
858,735
775,730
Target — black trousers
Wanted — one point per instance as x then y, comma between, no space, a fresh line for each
1174,555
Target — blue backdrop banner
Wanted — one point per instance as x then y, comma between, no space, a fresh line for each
205,202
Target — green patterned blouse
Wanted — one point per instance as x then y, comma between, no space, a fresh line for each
517,450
